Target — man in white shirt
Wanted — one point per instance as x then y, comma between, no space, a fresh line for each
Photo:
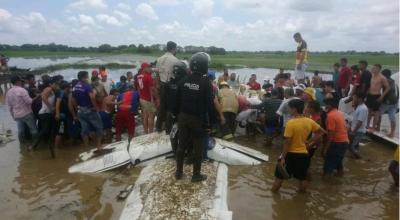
284,108
165,69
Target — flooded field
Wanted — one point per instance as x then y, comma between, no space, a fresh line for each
35,63
70,73
34,186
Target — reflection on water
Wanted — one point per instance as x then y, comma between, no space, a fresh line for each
34,63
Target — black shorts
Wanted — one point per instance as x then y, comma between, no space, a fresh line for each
296,165
372,102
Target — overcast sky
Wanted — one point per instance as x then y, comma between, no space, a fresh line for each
363,25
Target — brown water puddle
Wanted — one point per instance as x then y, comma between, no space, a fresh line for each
34,186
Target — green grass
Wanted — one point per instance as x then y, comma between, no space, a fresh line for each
317,61
321,62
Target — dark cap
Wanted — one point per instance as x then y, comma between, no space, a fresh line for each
171,45
14,79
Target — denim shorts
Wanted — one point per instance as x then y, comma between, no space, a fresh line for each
390,110
90,120
106,119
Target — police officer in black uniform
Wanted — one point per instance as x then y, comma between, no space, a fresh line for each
180,72
194,104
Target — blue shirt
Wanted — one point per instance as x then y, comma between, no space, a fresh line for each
81,93
360,114
232,83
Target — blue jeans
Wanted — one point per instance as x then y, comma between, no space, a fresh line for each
354,146
90,120
30,122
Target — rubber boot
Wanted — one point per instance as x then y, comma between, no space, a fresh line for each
179,164
197,176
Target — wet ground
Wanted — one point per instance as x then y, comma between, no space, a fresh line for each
34,186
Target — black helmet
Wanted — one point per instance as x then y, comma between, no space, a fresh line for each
180,70
199,63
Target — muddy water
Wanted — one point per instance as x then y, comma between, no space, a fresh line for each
365,192
34,186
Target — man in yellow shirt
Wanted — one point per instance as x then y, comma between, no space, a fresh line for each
294,155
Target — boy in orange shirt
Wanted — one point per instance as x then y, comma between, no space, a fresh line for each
338,139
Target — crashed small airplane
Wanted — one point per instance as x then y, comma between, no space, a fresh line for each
156,193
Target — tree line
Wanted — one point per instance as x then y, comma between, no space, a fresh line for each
156,48
107,48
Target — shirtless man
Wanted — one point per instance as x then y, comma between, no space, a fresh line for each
375,96
107,109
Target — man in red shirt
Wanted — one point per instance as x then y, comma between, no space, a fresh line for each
345,78
254,85
146,91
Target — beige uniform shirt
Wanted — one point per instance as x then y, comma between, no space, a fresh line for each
165,66
228,100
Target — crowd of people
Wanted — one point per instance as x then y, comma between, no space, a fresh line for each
190,95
